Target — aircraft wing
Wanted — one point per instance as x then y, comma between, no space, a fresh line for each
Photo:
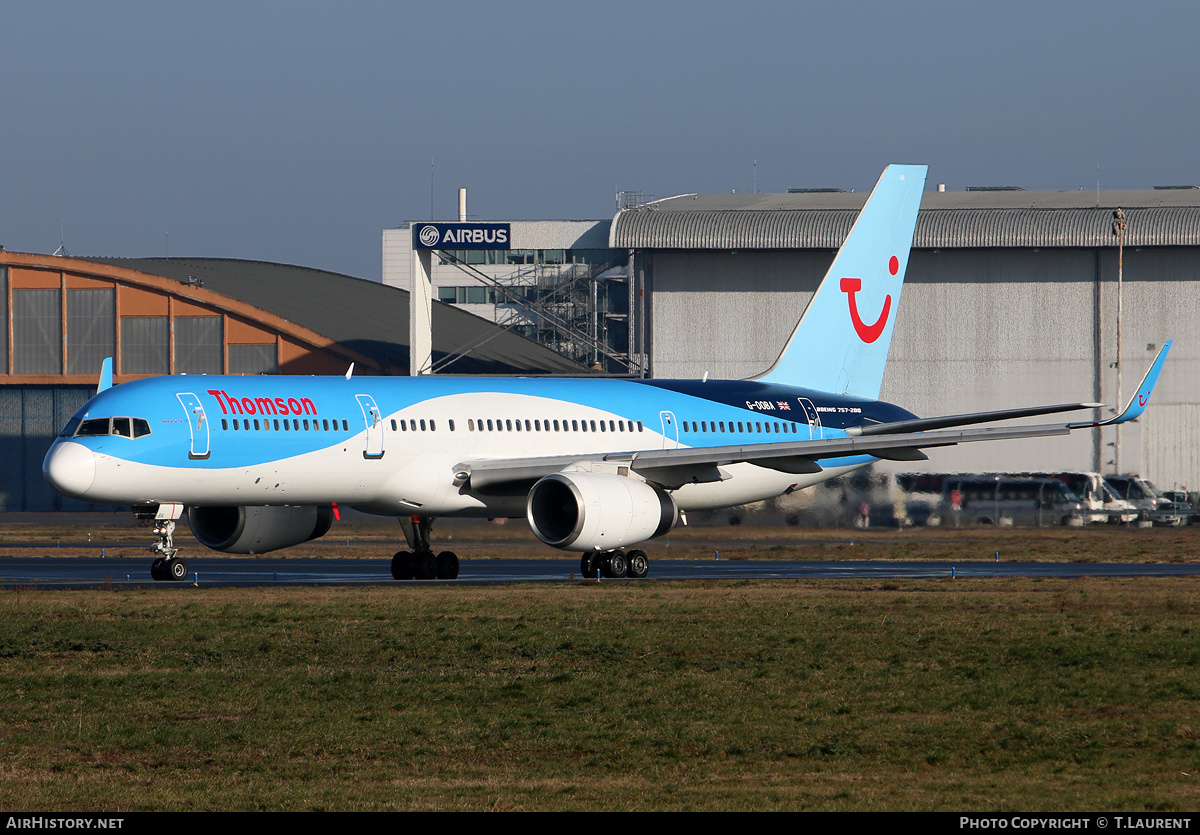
673,468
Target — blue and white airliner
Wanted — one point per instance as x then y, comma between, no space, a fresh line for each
595,465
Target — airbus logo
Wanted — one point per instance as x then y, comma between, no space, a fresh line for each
462,236
429,235
851,286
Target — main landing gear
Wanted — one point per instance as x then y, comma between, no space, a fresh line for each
420,563
168,566
615,564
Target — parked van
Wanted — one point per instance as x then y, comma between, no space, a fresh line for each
1005,500
1152,505
1101,502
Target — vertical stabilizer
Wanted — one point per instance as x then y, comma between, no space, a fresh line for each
841,342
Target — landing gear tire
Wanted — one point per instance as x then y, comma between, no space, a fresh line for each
587,566
639,565
615,565
425,565
156,570
175,569
402,566
447,565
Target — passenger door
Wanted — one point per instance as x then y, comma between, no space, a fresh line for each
197,425
374,423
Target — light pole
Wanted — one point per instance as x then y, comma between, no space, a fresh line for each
1118,229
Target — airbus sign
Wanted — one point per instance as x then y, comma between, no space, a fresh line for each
461,236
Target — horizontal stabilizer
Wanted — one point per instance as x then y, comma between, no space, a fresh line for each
106,376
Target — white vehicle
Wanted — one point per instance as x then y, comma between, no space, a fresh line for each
1101,502
1152,505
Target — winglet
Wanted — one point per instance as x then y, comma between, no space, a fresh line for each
105,382
1141,398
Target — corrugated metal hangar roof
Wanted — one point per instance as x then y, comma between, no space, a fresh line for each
948,220
366,316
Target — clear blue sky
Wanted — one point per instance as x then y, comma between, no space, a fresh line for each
296,132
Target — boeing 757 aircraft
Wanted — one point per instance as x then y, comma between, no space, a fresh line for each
595,465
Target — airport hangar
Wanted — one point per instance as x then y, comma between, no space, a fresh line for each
63,315
1010,300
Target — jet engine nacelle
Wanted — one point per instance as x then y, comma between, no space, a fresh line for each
257,530
598,511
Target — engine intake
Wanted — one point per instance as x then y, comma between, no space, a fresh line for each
597,511
257,530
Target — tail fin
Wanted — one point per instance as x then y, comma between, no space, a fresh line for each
841,342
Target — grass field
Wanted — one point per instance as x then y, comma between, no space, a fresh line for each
951,694
925,695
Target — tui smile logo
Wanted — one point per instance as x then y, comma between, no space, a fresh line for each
850,286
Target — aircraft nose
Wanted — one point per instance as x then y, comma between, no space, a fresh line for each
70,468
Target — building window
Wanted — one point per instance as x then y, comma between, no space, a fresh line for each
144,345
253,359
91,329
198,345
37,331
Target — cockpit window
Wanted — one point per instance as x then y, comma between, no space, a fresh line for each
94,427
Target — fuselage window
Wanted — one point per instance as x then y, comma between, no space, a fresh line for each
224,424
306,424
412,425
470,425
489,424
432,426
393,424
556,429
256,424
246,424
325,424
601,426
527,429
235,426
296,424
422,424
684,424
286,425
537,426
508,425
640,427
757,426
574,426
452,425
